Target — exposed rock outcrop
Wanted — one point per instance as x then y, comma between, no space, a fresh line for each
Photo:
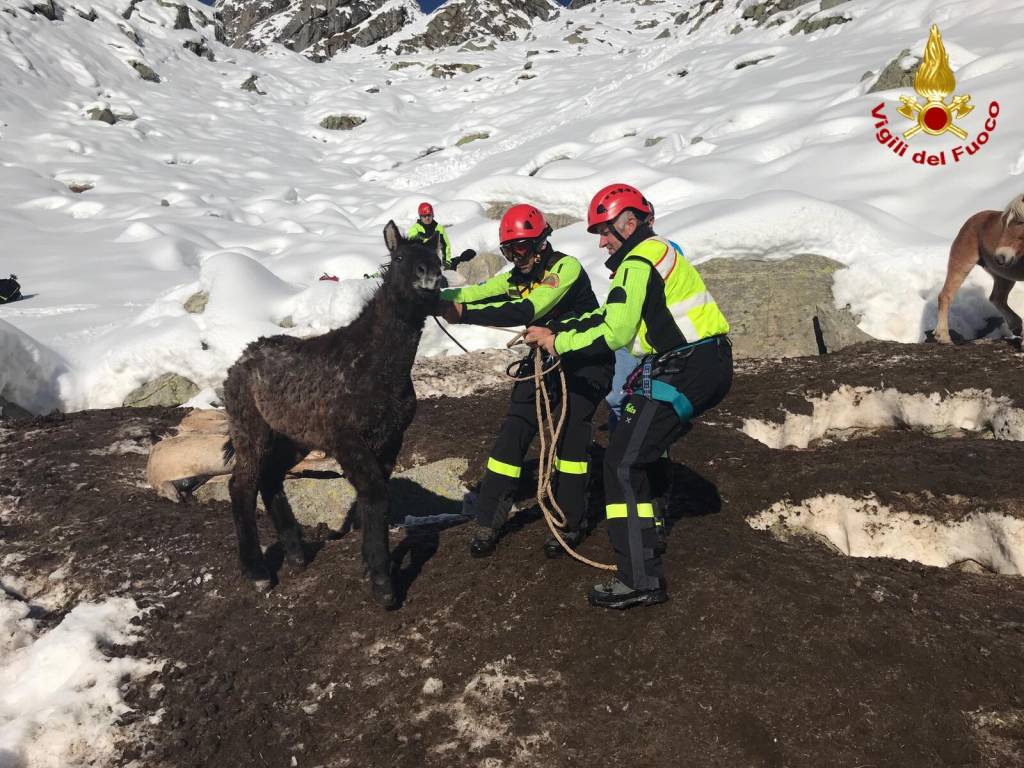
169,389
781,308
9,410
898,73
145,71
318,29
252,84
460,21
102,114
341,122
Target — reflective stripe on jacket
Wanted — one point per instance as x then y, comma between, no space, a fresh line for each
657,301
559,289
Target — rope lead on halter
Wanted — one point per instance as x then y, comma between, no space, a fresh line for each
439,325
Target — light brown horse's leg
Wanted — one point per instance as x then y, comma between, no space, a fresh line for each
963,255
1001,288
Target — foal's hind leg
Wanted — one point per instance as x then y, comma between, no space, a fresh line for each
282,456
1001,288
251,445
365,473
963,255
242,487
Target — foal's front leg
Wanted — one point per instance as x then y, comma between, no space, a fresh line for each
1001,288
366,475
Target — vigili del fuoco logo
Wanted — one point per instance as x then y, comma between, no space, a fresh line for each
931,115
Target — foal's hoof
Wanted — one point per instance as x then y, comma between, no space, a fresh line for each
294,550
384,593
258,576
296,558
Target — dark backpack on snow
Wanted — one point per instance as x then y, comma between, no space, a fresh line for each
10,289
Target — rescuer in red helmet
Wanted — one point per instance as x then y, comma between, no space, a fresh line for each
659,308
426,228
544,287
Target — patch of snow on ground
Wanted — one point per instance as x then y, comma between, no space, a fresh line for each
863,408
60,693
867,528
480,713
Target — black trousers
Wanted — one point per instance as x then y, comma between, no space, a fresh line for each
587,383
646,430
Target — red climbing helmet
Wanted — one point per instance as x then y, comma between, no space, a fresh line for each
426,209
611,201
522,231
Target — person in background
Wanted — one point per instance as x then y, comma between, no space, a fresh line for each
544,287
426,228
659,307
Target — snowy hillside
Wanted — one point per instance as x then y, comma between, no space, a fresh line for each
751,140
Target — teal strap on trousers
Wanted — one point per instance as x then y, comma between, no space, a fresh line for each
666,393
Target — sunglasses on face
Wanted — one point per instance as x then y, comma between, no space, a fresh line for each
516,251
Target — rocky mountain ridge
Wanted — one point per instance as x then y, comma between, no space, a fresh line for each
479,23
320,29
317,29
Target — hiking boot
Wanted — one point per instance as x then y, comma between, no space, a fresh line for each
484,541
553,549
614,594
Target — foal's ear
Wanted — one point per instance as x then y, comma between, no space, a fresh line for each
391,236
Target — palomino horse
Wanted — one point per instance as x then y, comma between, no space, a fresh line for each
995,240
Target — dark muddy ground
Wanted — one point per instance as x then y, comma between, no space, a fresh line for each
769,653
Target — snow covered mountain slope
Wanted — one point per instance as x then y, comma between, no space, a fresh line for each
753,141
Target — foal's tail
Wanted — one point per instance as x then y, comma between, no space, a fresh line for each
229,451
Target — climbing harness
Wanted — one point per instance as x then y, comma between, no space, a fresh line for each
645,377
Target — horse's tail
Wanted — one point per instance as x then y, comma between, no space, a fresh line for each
229,451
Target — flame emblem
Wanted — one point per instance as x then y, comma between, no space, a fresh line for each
935,81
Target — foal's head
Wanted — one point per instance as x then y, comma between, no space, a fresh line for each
413,275
1010,247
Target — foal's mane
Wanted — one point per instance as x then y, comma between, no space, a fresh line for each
1014,211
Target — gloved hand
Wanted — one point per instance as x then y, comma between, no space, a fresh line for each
462,258
451,311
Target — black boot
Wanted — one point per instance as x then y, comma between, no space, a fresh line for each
484,540
553,549
615,594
